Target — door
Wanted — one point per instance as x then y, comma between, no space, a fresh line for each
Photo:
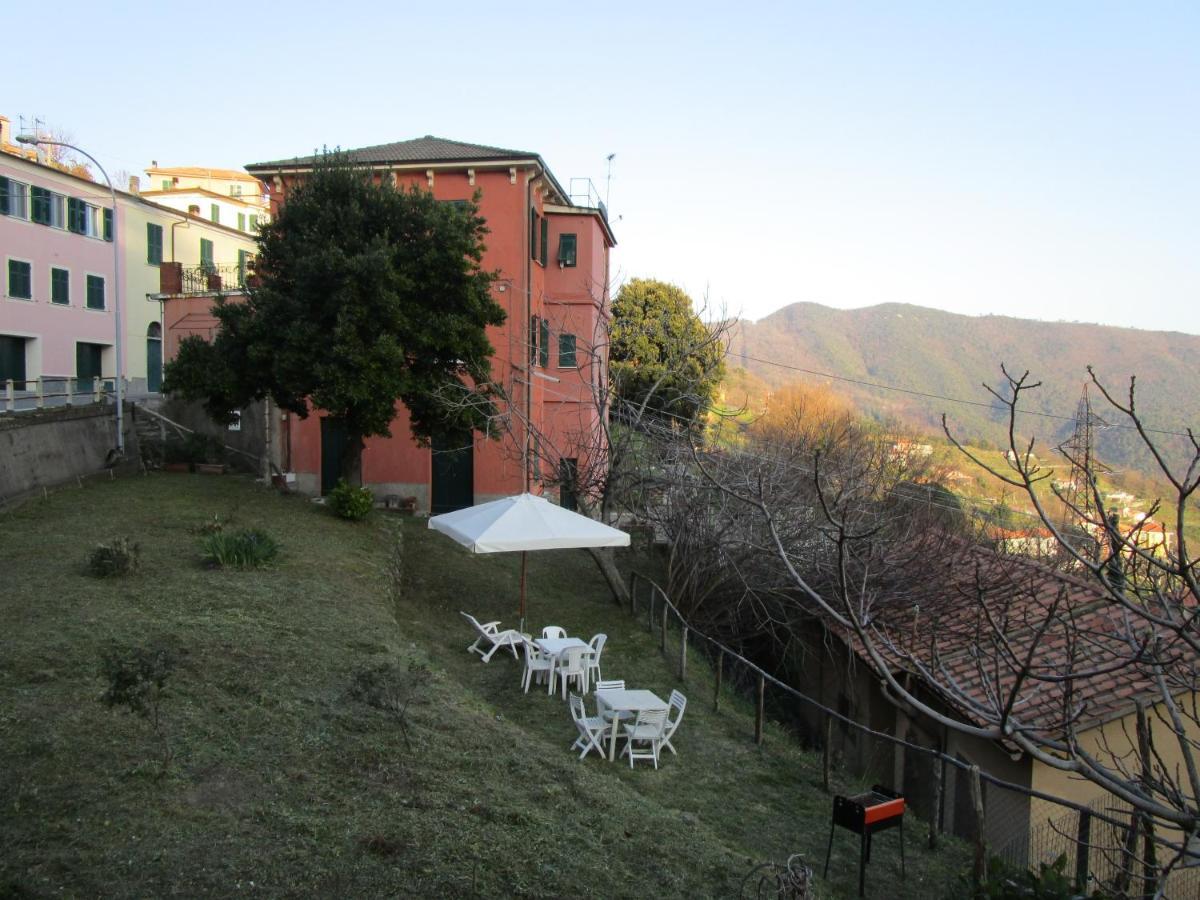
453,471
154,358
333,450
12,361
88,359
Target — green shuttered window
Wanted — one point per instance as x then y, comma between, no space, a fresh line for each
544,344
60,286
39,205
566,351
206,252
20,279
545,240
95,292
154,243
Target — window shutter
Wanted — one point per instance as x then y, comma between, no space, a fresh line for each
544,344
60,286
108,224
216,212
241,221
3,195
40,206
533,339
533,234
566,351
154,243
95,292
253,222
545,240
206,252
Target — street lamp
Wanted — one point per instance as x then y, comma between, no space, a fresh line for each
117,345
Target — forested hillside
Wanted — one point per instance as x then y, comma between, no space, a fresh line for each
952,355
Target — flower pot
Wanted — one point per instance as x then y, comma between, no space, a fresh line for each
210,468
177,467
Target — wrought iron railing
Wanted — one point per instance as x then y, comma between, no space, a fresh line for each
215,277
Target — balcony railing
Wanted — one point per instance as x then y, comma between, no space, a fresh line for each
584,193
214,277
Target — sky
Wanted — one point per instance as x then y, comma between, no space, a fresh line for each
1032,159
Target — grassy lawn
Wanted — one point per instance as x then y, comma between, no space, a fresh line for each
284,784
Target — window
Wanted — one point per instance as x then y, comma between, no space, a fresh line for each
60,286
241,221
75,215
20,279
58,215
533,338
243,263
567,250
39,205
545,240
154,243
214,213
253,222
206,253
566,351
544,344
166,184
95,292
14,198
235,190
83,218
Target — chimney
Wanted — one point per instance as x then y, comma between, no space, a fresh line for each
5,131
135,184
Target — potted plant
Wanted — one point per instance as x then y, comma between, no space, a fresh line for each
212,456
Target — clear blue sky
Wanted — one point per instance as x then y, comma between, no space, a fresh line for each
1032,159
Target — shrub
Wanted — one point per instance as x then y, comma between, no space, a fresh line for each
244,549
391,689
1006,882
118,558
137,681
350,502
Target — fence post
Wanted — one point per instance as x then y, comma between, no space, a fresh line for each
95,388
720,673
683,634
9,402
1083,841
980,871
937,803
41,393
827,753
758,710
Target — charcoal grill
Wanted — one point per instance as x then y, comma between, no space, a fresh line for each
866,814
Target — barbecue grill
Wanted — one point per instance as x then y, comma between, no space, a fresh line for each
865,814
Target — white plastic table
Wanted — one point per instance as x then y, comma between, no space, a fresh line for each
555,646
625,701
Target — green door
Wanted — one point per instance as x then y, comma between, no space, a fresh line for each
88,359
12,360
154,358
453,472
333,449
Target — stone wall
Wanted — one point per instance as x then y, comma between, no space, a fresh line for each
45,448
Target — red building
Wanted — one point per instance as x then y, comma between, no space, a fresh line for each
552,252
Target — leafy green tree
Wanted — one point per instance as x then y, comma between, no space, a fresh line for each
664,359
365,294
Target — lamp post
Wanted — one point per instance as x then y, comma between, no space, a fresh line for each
118,343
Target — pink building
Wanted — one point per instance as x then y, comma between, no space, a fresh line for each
56,306
552,252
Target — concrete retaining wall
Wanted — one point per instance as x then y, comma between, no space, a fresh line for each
52,446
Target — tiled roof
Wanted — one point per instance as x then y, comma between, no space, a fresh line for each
201,172
427,149
950,635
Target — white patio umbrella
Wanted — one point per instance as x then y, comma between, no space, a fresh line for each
524,522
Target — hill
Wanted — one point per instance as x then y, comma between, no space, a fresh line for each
289,781
951,355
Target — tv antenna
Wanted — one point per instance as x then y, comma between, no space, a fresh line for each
608,178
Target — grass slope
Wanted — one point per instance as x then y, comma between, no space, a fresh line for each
285,786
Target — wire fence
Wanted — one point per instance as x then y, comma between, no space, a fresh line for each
1103,845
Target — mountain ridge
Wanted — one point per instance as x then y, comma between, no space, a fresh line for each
915,348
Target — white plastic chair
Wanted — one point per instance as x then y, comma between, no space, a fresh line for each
551,632
593,659
536,663
490,633
647,729
591,729
615,685
678,704
567,665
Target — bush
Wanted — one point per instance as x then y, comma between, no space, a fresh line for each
1006,882
244,549
137,680
389,688
118,558
350,502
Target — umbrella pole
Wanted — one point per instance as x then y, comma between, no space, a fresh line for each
524,569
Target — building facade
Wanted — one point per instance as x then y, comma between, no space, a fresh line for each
552,256
58,303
